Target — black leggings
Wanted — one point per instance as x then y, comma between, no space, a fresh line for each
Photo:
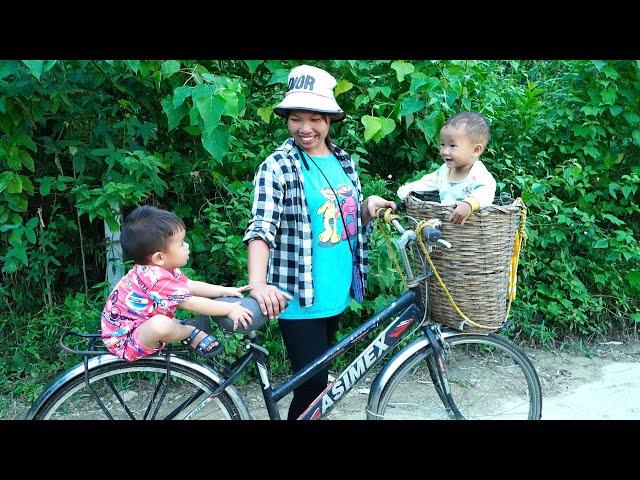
305,340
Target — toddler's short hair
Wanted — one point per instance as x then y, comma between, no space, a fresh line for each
474,124
146,231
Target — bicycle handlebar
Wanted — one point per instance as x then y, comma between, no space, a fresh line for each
430,233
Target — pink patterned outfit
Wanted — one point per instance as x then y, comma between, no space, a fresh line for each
145,291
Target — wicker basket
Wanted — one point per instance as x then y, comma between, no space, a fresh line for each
476,268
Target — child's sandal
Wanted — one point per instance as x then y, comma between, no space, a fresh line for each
202,345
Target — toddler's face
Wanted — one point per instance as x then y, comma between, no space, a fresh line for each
456,148
176,253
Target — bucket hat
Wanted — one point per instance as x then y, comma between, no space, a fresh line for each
310,88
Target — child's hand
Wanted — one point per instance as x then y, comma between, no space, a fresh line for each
235,291
461,213
240,314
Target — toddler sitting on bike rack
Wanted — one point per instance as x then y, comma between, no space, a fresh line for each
138,317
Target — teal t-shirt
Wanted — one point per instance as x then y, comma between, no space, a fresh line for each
331,257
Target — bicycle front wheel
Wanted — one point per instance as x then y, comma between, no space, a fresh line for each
134,391
489,376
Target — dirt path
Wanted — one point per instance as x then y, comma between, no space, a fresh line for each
604,385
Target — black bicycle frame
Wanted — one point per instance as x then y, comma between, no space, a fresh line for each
410,312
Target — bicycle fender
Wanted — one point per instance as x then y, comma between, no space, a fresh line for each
78,370
380,382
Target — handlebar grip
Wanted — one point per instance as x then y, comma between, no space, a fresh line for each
431,235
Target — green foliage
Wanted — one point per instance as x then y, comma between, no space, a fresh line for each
82,142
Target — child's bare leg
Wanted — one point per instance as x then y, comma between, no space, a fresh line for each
160,328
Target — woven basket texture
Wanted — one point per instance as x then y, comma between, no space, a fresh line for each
476,268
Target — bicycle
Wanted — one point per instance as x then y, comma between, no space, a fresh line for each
465,376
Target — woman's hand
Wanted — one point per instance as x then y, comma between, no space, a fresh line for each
272,301
373,203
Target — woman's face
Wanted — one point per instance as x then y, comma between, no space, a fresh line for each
309,129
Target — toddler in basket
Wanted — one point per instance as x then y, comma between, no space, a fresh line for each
462,180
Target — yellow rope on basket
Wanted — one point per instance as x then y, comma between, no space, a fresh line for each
521,239
421,225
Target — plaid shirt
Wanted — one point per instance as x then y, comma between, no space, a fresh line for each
281,218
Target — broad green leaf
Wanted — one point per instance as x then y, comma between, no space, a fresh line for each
633,277
419,80
7,67
636,137
411,105
48,65
613,219
34,66
5,178
252,65
599,64
216,142
233,103
170,67
210,109
265,113
591,110
402,69
15,184
610,72
591,150
428,127
627,190
179,95
609,96
174,115
31,235
20,253
615,110
632,117
635,317
371,126
26,184
279,76
343,86
31,224
26,160
388,126
602,243
133,65
612,189
45,185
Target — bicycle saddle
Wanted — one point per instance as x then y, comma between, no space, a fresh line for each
248,302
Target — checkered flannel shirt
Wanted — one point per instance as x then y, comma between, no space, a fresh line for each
281,218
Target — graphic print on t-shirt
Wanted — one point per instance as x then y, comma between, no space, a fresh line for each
333,230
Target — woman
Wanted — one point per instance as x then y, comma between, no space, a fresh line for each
306,240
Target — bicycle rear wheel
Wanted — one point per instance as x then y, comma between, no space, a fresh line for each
489,376
135,390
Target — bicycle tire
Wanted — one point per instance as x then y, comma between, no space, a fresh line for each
73,400
489,376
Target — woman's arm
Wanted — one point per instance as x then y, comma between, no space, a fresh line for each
271,300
